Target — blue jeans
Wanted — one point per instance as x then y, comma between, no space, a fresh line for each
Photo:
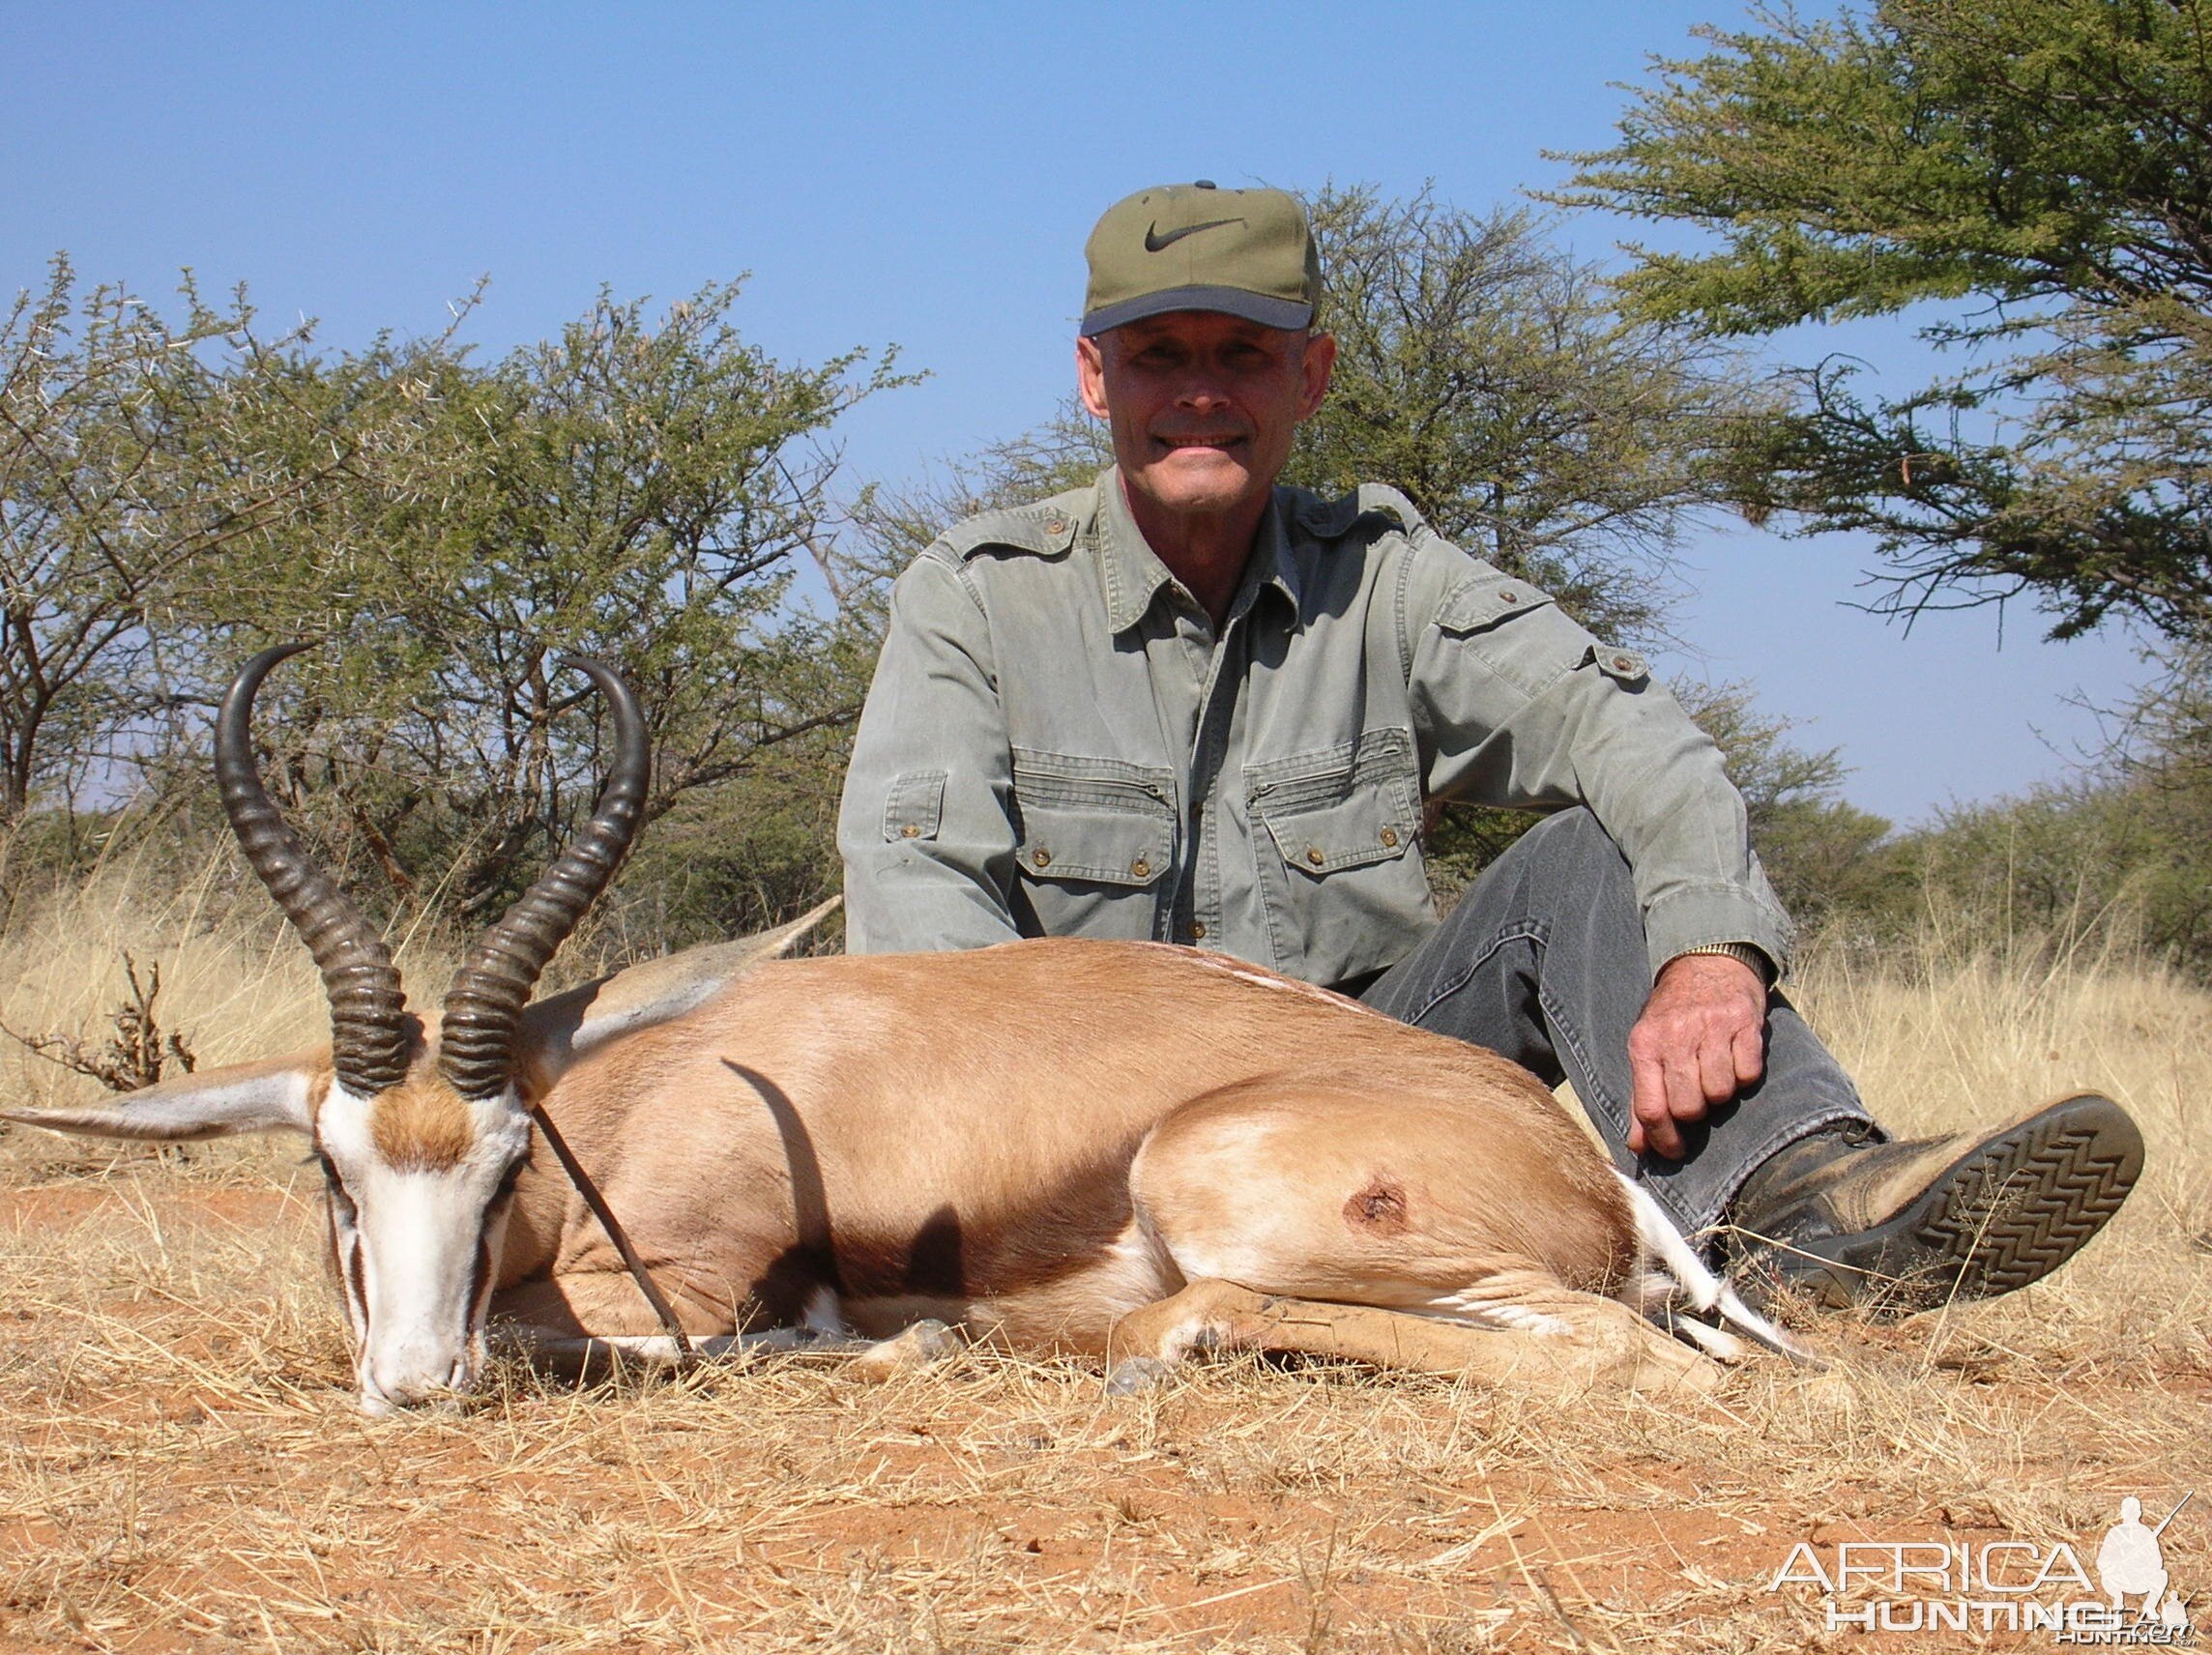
1544,961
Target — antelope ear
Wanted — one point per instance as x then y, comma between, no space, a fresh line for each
774,945
554,1032
248,1097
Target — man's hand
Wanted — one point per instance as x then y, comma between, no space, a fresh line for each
1701,1040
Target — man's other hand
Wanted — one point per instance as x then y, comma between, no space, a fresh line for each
1701,1039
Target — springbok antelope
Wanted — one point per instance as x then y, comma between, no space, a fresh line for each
1120,1149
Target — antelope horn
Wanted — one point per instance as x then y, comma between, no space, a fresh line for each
368,1038
489,991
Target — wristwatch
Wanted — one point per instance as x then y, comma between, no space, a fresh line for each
1750,953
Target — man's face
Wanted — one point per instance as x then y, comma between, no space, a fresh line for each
1203,406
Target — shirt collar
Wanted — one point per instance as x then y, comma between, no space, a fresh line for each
1134,574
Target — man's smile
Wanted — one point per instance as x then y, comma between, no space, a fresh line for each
1203,406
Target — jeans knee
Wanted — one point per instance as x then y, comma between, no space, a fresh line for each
1573,838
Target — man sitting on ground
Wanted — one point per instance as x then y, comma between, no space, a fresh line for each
1186,704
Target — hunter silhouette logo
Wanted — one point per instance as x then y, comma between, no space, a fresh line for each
2131,1563
2013,1585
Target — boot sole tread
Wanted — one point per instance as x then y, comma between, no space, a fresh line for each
2006,1215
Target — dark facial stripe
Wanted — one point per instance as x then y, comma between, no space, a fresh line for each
344,1260
480,1279
332,1257
357,1292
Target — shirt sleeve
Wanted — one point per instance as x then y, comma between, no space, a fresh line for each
1517,706
925,828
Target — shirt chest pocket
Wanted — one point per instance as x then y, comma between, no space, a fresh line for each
1337,841
1095,842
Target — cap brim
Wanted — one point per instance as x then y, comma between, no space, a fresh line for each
1261,307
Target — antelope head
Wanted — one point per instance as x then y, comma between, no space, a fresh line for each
419,1141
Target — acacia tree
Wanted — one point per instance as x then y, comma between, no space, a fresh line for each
2042,161
1486,371
891,523
637,491
132,452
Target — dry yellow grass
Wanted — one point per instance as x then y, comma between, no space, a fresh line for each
180,1466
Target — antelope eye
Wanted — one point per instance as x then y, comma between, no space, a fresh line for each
508,1179
336,1185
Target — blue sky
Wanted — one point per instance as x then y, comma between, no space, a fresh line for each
924,176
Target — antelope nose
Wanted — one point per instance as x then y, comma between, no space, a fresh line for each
389,1387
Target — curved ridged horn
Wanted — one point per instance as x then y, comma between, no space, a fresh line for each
489,991
368,1038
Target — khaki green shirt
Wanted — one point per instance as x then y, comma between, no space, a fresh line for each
1060,743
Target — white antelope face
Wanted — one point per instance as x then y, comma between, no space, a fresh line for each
418,1181
419,1155
417,1184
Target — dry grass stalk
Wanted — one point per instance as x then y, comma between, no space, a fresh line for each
138,1051
181,1468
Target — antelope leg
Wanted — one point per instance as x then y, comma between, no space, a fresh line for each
1527,1338
592,1356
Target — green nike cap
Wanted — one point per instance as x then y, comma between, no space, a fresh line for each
1193,247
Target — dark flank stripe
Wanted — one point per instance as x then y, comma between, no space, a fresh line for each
1007,1248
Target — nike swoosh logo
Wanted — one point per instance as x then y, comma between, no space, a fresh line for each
1154,241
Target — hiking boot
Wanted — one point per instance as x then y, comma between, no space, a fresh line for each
1899,1227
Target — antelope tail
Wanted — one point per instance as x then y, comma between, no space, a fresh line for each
1694,1282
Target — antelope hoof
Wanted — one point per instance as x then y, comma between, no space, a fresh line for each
1133,1374
922,1346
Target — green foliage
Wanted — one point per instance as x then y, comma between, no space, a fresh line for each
1824,857
893,523
1832,862
1487,373
133,453
731,859
640,490
2117,860
638,493
2125,848
2103,862
2043,157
